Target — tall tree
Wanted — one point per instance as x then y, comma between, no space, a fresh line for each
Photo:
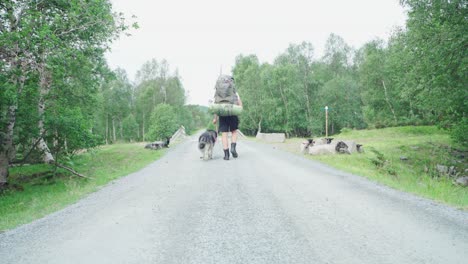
436,33
249,85
37,39
163,122
155,85
338,56
118,96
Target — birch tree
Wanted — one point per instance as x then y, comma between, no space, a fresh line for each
38,39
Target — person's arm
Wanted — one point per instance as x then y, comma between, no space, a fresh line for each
239,101
215,119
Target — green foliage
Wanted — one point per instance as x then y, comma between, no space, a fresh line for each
210,125
199,117
436,39
51,64
155,85
163,122
345,130
341,94
130,128
289,96
381,162
416,77
124,104
459,132
379,159
72,131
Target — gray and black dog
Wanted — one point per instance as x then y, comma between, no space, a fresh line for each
206,143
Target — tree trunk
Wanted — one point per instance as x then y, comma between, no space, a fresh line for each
388,101
71,170
163,89
12,118
306,92
143,128
6,146
4,162
154,98
44,83
10,146
55,142
114,138
13,63
411,109
121,130
285,102
138,133
107,129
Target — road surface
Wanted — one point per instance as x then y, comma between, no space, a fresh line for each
267,206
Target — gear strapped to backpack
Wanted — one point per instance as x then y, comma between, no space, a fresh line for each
225,103
225,90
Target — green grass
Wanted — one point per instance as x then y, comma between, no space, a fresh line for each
45,192
424,146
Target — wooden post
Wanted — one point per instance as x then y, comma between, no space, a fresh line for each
326,121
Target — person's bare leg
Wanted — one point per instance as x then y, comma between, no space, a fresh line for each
234,136
225,140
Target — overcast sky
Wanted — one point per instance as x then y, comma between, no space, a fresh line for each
200,37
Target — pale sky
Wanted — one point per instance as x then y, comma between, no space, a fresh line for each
199,38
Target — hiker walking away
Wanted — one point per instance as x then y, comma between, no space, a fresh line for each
229,124
226,93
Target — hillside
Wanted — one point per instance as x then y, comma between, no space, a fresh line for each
408,161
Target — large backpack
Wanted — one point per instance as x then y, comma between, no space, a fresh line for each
225,90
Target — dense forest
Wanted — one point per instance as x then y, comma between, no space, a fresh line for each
418,76
59,96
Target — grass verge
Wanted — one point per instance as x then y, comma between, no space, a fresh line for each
41,191
404,158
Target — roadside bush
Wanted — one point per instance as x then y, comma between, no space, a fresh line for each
459,132
163,122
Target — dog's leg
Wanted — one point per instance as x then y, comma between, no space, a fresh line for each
210,152
205,153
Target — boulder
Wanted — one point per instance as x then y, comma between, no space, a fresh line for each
442,169
462,181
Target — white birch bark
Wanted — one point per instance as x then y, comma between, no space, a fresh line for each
44,83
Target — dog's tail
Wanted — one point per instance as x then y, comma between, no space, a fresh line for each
201,145
202,141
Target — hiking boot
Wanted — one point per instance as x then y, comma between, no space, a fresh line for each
233,150
226,154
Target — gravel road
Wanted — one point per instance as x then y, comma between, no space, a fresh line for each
267,206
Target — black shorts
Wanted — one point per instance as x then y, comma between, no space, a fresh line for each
228,123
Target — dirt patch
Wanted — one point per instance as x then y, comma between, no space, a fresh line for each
6,187
38,178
